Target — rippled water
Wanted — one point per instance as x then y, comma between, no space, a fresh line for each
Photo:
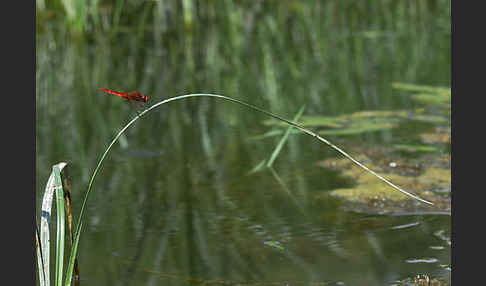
175,202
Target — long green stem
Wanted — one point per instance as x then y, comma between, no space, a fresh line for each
78,225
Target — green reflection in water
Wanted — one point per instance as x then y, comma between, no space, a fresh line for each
191,210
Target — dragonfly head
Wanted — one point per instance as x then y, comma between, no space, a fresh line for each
144,98
141,97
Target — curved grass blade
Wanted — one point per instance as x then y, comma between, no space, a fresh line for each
181,97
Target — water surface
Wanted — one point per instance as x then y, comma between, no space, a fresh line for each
174,203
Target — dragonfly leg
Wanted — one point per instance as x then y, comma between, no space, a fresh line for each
135,107
143,106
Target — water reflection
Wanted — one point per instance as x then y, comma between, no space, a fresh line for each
175,203
254,232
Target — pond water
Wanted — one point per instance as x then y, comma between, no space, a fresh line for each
177,203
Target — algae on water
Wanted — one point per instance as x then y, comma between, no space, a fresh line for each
432,183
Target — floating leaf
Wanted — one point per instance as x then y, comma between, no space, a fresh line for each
311,121
438,119
415,148
378,113
431,98
359,122
422,88
363,126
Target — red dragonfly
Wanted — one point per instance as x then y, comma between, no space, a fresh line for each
134,97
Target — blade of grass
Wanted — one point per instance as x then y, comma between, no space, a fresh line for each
258,167
67,198
40,259
60,224
284,139
72,259
45,220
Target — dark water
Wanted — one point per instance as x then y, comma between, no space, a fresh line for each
174,203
